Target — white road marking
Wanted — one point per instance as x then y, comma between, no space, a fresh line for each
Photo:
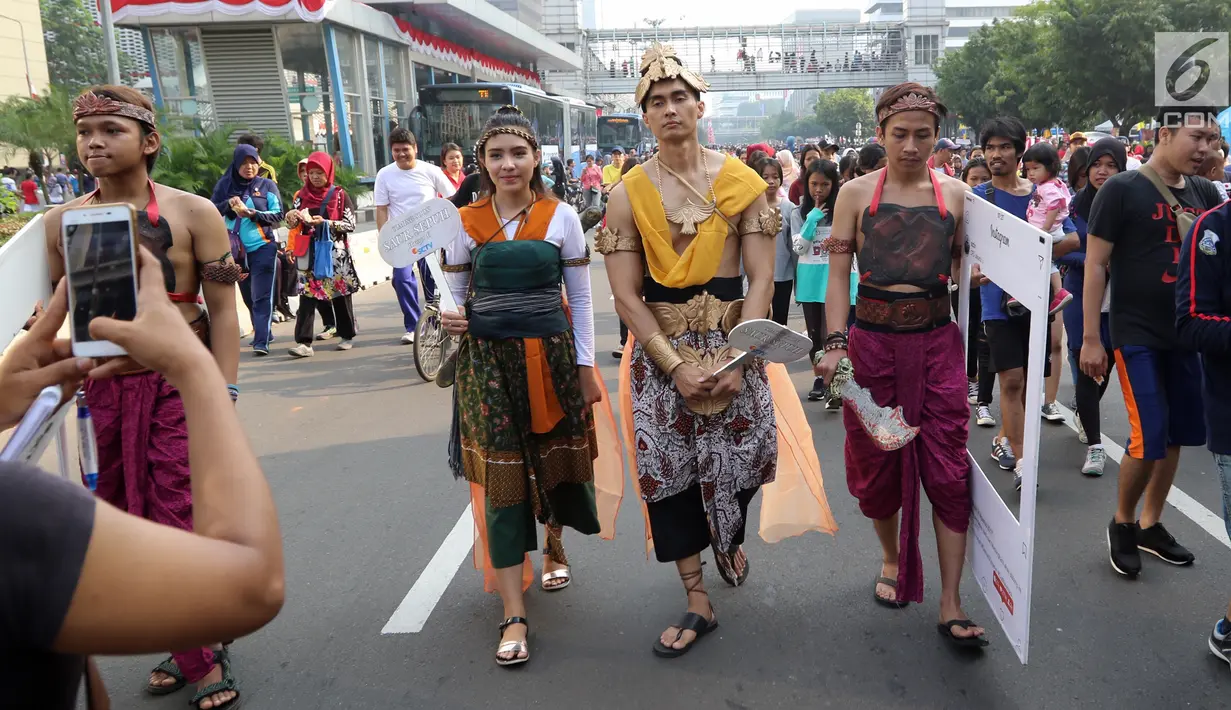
412,614
1181,501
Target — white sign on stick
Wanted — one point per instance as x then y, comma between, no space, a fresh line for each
418,233
1017,257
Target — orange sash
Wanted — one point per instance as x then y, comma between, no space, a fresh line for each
483,224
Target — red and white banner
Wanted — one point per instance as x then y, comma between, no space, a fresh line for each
315,11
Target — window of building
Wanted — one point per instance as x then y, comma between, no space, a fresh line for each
305,69
378,113
397,84
181,75
927,49
980,11
351,69
423,76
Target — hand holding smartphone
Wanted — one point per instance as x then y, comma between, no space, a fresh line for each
100,265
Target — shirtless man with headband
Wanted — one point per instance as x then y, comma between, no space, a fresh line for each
138,416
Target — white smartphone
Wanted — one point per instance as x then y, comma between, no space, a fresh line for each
100,261
32,434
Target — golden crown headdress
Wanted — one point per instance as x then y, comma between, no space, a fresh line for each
660,62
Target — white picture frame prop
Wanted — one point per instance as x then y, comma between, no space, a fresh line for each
1000,548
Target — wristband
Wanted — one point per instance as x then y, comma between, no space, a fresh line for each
662,353
234,392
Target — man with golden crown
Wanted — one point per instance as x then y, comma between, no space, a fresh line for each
678,228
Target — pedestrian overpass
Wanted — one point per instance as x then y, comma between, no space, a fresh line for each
772,57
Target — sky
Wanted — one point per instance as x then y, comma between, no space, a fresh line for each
707,13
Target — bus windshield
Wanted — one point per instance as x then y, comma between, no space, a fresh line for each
460,123
613,131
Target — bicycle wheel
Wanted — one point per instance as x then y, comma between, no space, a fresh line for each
428,350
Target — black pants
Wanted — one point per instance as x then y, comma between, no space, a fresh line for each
978,355
680,527
326,310
780,307
305,320
1088,394
623,333
814,320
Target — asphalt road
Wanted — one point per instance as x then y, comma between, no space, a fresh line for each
354,447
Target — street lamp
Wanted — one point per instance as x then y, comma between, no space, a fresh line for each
25,57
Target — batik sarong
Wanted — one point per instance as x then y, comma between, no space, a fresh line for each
142,437
925,374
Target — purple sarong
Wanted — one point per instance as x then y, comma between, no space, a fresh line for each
143,463
925,373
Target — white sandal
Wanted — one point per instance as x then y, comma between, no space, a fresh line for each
562,573
514,647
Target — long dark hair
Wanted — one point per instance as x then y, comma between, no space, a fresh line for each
1079,165
829,170
510,117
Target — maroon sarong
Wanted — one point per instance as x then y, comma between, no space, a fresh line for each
143,463
925,373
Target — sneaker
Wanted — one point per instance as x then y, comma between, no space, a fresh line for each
260,350
345,345
1002,454
408,339
1158,542
972,392
1122,548
327,334
1081,430
1220,647
818,390
1017,476
301,350
983,416
1096,458
1052,413
833,404
618,353
1059,301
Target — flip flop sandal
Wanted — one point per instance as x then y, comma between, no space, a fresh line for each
562,574
946,630
514,647
890,603
726,567
227,683
691,622
170,668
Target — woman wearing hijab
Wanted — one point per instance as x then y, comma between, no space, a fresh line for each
252,210
790,171
325,217
1106,158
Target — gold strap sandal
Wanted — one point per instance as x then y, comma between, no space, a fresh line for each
516,648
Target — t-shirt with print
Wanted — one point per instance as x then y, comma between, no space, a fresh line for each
45,527
403,190
1129,212
1048,196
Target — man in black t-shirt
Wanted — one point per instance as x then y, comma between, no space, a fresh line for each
1134,232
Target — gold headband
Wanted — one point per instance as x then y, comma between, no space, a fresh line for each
91,104
660,62
505,130
909,102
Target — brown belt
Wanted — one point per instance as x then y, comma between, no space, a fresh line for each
903,314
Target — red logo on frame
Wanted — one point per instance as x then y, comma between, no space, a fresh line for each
1005,597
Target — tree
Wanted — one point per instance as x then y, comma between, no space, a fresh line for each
841,110
74,42
42,126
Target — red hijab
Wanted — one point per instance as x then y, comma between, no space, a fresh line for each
310,197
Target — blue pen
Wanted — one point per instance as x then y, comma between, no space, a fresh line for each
87,443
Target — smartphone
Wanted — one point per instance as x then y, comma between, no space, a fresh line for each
100,261
32,434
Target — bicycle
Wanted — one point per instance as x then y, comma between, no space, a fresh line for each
432,343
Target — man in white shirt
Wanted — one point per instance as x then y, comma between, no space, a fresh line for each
401,187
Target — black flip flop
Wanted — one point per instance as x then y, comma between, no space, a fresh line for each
946,630
691,622
889,603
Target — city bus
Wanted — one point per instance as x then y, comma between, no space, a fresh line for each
456,113
625,130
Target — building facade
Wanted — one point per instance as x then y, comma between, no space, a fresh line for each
338,74
23,59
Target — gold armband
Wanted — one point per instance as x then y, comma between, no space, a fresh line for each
455,268
662,353
608,240
577,261
833,245
767,222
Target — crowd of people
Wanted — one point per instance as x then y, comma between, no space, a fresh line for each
694,242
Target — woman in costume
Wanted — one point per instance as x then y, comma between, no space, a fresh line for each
525,380
325,215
